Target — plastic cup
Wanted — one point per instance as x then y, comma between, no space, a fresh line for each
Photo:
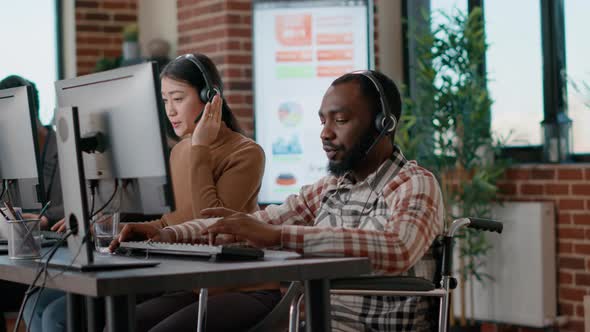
105,228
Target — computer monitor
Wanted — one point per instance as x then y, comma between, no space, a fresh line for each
20,167
125,106
110,127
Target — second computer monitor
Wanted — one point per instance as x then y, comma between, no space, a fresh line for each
19,160
124,106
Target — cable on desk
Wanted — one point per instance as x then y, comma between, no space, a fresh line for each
109,200
43,270
40,269
4,185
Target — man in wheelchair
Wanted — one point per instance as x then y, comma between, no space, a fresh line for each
374,203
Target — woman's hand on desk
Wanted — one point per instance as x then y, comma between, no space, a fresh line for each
142,232
59,226
243,226
44,222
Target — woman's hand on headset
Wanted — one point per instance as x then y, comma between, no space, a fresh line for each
208,126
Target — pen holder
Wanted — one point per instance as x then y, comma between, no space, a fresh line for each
24,239
4,225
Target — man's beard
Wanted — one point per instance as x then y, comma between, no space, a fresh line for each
355,155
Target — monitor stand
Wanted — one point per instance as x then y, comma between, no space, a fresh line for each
81,254
63,258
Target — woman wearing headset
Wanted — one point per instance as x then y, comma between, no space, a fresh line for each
240,163
213,165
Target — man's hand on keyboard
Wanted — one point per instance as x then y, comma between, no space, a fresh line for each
243,226
141,232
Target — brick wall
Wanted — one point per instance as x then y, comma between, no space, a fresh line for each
222,29
99,25
568,186
376,32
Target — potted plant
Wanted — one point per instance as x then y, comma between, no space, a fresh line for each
449,115
130,42
107,63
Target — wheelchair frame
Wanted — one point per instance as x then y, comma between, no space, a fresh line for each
403,285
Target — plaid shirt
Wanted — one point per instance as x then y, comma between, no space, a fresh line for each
392,217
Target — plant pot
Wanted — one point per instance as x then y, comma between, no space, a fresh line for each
130,50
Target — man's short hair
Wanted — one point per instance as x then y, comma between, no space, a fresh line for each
14,81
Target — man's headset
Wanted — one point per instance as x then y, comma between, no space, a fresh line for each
385,121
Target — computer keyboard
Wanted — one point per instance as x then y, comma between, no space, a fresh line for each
47,240
47,235
216,252
224,252
51,235
4,245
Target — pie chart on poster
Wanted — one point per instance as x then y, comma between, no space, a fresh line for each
286,179
290,114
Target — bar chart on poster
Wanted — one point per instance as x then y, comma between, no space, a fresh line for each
300,47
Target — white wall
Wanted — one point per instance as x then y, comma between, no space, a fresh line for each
390,38
522,263
157,19
69,38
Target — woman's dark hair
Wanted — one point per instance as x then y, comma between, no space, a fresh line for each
15,81
184,70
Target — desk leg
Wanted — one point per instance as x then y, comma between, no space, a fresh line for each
74,312
317,305
120,312
95,314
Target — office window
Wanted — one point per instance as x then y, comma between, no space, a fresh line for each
578,71
441,8
515,68
448,5
30,47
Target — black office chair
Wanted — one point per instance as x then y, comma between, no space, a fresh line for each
405,285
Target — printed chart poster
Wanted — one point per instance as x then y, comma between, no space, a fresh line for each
300,47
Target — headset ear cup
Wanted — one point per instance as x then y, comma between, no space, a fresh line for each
203,95
216,92
393,124
379,122
385,124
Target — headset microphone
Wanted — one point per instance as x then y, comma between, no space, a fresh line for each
379,137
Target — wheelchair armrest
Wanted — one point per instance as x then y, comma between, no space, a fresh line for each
383,283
